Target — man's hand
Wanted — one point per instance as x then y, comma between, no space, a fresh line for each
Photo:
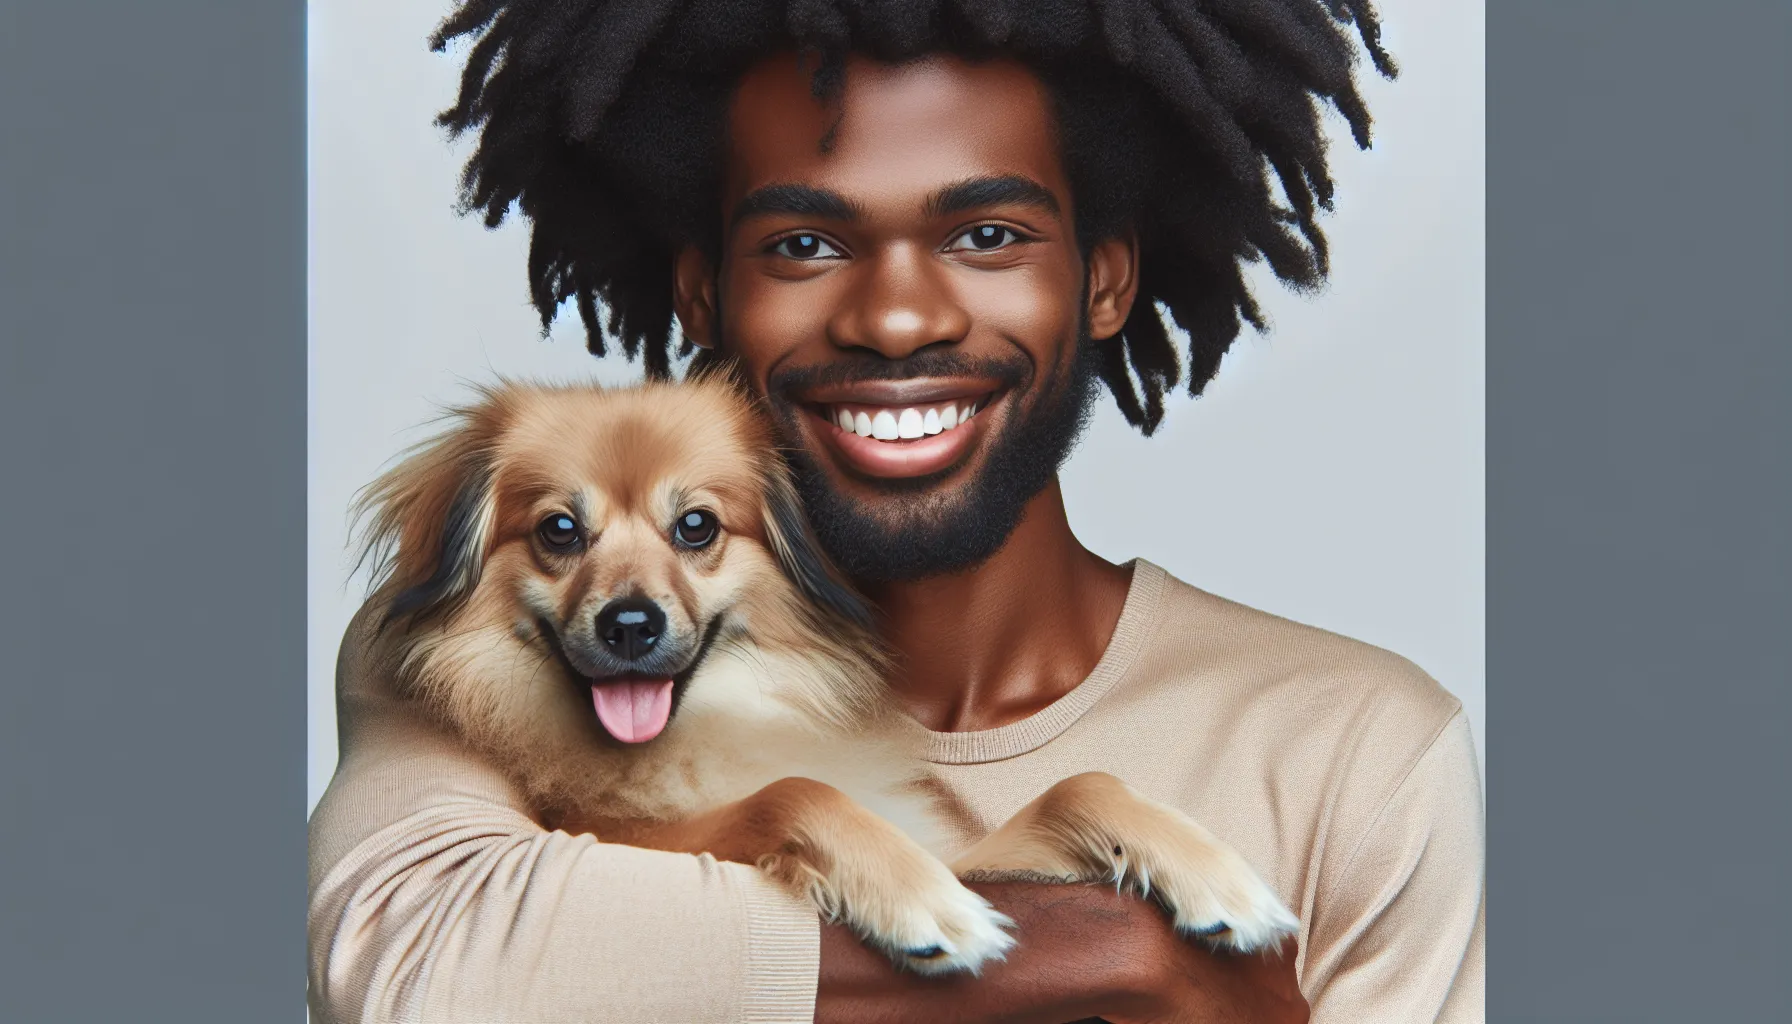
1199,987
1085,952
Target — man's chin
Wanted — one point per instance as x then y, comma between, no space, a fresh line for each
893,528
872,546
888,530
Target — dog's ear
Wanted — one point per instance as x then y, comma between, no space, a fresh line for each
800,556
429,520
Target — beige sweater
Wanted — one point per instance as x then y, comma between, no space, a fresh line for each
1343,773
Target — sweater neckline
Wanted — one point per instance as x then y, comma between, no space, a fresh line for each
1045,725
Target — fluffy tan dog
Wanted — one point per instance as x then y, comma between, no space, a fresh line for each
614,595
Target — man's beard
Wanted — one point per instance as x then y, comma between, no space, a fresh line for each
935,531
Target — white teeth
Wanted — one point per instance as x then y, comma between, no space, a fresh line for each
883,427
904,424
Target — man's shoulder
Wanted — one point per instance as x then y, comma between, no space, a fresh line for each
1210,649
1287,739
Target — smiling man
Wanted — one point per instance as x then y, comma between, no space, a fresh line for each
931,236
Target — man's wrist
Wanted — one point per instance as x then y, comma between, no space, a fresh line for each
1073,962
1084,949
1115,956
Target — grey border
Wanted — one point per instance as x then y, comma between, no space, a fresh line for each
1639,538
152,424
152,432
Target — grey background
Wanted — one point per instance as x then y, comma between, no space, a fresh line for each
1639,512
151,305
152,446
1332,474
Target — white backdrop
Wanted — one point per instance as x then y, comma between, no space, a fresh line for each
1332,474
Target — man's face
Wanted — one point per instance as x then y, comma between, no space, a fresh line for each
909,299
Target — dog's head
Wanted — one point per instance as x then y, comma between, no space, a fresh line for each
564,562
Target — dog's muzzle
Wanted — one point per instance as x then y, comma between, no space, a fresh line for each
633,664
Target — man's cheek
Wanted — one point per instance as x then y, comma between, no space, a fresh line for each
1028,303
769,323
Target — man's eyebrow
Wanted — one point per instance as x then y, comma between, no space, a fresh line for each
801,200
1006,190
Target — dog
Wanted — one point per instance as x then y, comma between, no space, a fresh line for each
613,594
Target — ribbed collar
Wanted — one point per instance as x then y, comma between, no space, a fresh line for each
1037,730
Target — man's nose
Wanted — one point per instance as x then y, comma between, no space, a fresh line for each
903,303
630,627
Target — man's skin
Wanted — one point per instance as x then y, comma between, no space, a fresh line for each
977,649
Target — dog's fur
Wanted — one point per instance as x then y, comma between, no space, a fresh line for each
784,749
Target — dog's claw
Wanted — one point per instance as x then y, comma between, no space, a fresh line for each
925,953
1209,931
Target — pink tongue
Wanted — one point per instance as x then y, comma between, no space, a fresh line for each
633,711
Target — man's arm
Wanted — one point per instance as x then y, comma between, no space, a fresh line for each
435,897
1085,952
1399,928
463,909
467,911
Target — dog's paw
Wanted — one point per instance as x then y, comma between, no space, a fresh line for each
907,904
1224,906
945,929
1094,828
1210,891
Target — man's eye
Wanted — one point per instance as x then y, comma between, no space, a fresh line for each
805,247
983,238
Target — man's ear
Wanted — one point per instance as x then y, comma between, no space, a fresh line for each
799,554
694,296
1113,284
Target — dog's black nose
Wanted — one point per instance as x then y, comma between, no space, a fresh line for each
631,626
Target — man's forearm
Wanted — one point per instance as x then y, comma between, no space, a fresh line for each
1043,980
1084,952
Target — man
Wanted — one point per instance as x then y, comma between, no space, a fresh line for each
890,217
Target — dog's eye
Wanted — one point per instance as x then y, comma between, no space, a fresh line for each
696,528
559,532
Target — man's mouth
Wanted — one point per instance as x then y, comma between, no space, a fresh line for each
895,434
905,423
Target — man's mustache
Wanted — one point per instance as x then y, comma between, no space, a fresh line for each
855,367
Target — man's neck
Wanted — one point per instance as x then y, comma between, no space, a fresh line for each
984,648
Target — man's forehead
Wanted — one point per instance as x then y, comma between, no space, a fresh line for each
896,133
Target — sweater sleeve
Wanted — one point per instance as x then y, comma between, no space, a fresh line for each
434,897
1399,936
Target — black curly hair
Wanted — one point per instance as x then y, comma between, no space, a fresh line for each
602,120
